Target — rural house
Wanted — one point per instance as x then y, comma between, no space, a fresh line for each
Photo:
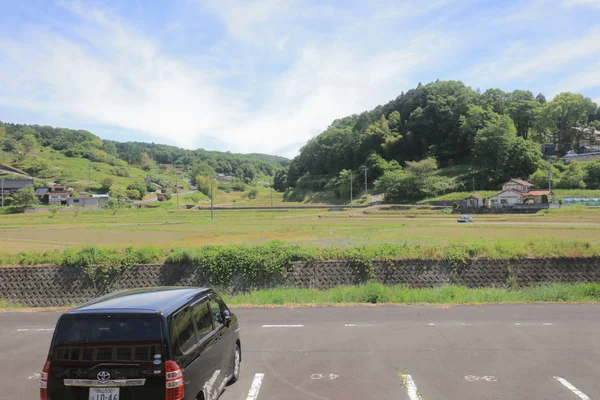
57,195
95,200
10,186
223,177
518,191
474,201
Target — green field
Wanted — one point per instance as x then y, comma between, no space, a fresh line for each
315,228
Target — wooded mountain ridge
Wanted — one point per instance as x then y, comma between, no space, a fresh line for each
494,135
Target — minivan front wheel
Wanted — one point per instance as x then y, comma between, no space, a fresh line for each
237,360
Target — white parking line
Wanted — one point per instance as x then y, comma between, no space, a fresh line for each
253,393
410,386
572,388
35,330
283,326
361,325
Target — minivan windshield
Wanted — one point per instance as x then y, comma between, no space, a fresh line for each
107,329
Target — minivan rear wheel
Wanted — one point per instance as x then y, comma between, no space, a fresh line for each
237,361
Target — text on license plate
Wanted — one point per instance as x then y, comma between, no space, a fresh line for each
104,394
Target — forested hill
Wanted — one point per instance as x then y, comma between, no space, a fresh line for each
493,135
18,138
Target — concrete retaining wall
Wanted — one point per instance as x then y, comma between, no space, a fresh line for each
60,286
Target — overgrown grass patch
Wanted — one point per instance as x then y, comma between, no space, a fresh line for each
377,293
7,304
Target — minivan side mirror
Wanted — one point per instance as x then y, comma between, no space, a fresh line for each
227,317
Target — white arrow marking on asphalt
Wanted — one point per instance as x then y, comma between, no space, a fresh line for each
572,388
254,389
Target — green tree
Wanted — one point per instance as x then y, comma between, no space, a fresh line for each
475,119
572,177
422,168
204,185
29,142
25,198
2,131
496,100
133,194
524,157
53,209
116,201
565,117
252,194
10,145
140,187
524,113
391,184
107,183
491,151
540,177
540,98
592,175
280,181
201,168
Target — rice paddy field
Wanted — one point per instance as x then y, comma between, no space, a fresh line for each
319,228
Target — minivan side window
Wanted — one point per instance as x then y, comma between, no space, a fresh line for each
201,314
183,332
217,315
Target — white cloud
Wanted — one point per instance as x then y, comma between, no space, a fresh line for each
525,62
334,81
115,76
105,72
574,3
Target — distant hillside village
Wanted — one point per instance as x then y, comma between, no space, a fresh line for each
60,195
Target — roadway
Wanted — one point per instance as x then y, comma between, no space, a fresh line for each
540,351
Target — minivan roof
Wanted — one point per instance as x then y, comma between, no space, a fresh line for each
142,300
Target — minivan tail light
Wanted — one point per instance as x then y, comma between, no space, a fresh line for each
44,381
174,385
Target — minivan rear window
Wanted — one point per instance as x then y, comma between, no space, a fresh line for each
107,329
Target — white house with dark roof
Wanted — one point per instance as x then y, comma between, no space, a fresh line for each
518,191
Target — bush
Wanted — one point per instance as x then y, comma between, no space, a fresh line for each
133,194
140,187
123,172
252,194
106,184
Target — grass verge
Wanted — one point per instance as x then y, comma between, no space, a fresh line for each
4,304
377,293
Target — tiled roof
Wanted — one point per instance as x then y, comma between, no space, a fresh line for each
520,182
540,192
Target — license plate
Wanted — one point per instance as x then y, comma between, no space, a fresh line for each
104,394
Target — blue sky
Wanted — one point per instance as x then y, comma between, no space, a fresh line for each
267,75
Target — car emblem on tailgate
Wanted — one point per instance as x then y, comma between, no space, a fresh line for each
103,376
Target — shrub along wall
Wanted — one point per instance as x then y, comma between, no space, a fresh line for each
67,285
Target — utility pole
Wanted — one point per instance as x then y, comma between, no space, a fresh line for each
549,173
2,192
177,189
89,175
271,190
473,183
350,189
366,188
212,211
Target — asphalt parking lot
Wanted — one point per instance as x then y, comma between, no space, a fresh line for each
542,351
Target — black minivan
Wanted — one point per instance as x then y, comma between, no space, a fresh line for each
144,344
